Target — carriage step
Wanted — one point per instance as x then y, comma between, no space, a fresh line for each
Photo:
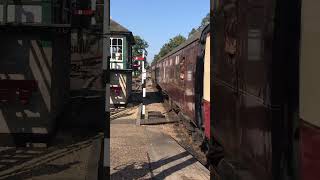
155,115
157,121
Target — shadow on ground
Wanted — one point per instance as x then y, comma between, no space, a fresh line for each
24,163
138,170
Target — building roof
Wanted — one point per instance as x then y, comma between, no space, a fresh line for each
116,28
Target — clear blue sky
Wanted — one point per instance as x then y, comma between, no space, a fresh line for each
157,21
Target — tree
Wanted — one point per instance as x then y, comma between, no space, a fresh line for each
204,22
140,46
155,58
167,47
192,32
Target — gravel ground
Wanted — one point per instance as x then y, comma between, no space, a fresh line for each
129,152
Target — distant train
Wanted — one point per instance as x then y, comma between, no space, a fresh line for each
183,76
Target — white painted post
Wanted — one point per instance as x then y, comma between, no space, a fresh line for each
143,88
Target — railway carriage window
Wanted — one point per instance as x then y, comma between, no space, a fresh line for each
190,72
254,45
177,70
164,71
172,73
253,59
182,68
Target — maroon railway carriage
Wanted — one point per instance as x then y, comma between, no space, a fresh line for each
180,75
176,76
255,98
266,89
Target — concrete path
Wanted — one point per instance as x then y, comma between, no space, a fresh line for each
139,152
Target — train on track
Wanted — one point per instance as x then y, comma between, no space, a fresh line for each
264,87
183,75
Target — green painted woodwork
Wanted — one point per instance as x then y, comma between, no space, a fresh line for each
46,12
125,53
46,43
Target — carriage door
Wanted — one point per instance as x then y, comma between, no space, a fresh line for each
189,82
310,90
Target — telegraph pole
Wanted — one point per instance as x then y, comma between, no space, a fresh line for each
105,148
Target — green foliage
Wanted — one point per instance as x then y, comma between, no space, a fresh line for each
156,58
140,46
192,32
177,40
166,48
205,21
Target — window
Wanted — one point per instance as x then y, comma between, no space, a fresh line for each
177,60
116,49
190,72
254,45
182,68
